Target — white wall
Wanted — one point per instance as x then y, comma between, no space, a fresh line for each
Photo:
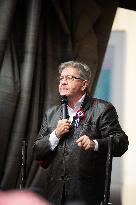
125,20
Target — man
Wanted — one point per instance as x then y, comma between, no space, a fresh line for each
76,147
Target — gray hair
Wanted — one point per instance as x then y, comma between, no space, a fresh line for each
84,70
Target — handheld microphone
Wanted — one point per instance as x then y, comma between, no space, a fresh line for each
64,103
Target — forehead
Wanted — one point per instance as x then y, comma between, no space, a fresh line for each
70,71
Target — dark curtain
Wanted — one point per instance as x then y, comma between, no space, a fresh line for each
35,36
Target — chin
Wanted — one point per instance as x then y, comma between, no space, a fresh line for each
64,93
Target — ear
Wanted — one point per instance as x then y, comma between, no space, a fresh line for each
84,85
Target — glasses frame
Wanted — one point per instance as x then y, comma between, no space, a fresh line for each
69,78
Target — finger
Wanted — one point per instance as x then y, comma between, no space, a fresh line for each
66,124
85,140
80,139
85,144
79,144
66,127
66,121
87,147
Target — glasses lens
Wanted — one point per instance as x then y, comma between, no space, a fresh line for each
68,78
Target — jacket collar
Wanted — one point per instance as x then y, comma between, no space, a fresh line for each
86,102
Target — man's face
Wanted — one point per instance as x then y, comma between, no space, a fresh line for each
71,87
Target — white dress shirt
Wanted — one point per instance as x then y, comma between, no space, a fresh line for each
71,112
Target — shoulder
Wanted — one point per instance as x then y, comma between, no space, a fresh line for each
101,105
103,109
53,111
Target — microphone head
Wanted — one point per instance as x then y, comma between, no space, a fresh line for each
64,99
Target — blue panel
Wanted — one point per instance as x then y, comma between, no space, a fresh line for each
103,85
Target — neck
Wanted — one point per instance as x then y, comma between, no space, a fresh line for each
73,100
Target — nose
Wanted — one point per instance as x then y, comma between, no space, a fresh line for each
63,81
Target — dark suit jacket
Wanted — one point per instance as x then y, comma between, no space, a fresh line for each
81,172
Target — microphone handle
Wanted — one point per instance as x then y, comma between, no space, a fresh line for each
64,111
64,103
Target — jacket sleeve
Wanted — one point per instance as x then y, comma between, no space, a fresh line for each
42,148
109,127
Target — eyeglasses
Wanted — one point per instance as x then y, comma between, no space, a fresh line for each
69,78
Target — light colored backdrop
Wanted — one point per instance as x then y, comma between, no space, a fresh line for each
122,86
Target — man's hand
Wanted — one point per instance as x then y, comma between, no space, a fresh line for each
85,143
62,127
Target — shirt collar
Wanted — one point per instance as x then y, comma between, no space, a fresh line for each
78,103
